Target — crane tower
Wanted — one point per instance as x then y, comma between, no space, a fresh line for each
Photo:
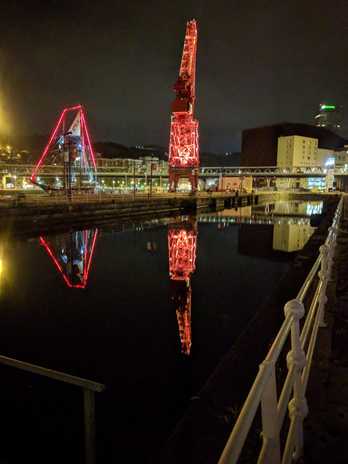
183,144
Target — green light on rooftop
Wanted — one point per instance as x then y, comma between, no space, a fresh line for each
327,107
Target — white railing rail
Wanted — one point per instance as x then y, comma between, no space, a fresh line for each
299,359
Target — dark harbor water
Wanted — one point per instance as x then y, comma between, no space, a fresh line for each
147,309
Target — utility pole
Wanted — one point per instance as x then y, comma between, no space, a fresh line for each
69,171
66,156
151,178
80,180
67,166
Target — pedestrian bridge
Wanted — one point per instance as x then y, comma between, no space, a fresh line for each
25,170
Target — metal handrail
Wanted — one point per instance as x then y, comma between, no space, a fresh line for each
264,389
53,374
89,389
119,198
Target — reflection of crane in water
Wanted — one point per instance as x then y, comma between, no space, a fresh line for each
182,244
72,255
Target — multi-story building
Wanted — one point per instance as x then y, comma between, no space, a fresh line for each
292,145
146,164
329,116
297,150
341,158
260,145
326,157
154,165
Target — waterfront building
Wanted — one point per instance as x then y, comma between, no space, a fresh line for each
329,116
260,144
297,150
341,158
145,164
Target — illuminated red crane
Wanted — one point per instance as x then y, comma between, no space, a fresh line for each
72,255
69,147
182,243
183,144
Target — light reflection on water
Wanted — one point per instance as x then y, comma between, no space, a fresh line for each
295,208
182,249
165,299
72,255
291,221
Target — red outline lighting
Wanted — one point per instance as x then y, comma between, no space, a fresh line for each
88,138
84,134
44,154
74,108
87,268
182,253
182,247
86,274
55,261
183,142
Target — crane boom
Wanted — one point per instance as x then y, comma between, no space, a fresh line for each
185,85
183,145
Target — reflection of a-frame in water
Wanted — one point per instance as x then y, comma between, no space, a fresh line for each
182,245
72,255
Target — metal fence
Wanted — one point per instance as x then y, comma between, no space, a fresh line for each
103,197
97,198
263,392
88,387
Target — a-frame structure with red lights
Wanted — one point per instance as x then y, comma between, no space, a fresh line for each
68,160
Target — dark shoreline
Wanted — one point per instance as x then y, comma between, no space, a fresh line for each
27,219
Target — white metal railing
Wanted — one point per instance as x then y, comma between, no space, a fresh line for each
299,359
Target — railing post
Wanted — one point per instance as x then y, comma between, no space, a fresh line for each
270,425
324,275
89,422
327,253
298,408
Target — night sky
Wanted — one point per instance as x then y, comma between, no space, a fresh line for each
259,62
